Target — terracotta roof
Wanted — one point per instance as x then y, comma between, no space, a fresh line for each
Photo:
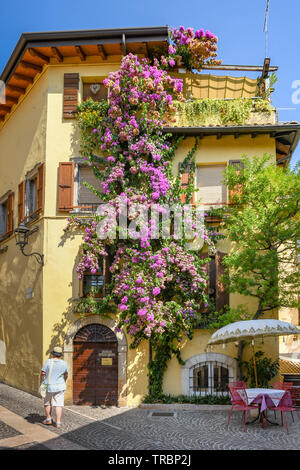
34,51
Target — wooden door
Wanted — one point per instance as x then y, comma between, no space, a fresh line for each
95,366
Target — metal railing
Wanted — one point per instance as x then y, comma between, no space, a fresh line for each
209,378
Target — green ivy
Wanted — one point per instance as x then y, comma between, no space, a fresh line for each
194,400
207,111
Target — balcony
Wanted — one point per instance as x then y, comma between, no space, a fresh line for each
208,112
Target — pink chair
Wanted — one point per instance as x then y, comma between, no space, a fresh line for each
284,408
283,385
295,394
237,403
239,384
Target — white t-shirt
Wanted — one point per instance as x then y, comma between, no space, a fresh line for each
57,382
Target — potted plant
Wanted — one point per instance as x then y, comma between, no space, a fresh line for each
95,292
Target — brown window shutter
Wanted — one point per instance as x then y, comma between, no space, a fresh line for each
184,180
40,187
222,294
10,213
237,190
86,196
65,186
71,88
21,201
203,256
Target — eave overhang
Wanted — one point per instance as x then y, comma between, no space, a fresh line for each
286,135
34,51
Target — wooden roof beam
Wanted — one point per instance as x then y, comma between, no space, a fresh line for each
16,89
25,78
30,66
80,52
13,99
102,51
35,53
266,68
57,54
241,68
4,107
147,48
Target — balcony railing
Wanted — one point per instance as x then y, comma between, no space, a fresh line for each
223,112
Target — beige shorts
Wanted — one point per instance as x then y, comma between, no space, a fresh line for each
57,398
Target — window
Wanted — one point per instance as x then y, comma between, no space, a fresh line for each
85,197
3,218
6,215
97,91
94,284
210,378
73,194
31,194
209,182
217,290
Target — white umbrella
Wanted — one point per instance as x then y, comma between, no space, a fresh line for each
250,329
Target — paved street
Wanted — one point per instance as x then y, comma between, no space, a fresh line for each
113,428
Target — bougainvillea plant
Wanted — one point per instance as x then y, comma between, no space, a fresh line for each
158,285
191,49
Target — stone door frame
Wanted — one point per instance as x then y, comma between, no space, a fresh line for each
122,355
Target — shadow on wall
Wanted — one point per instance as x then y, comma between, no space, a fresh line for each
21,316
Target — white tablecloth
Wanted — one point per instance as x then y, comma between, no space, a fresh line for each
252,393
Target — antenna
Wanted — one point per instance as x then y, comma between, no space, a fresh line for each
266,28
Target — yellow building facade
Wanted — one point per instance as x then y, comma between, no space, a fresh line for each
36,302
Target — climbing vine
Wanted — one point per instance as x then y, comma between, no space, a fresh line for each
157,284
208,111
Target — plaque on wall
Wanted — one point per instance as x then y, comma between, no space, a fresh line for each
106,361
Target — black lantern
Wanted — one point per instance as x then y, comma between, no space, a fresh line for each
22,233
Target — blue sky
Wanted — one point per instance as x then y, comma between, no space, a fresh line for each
237,23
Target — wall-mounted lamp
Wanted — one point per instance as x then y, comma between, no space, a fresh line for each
22,233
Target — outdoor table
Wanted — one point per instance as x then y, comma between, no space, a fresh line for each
266,397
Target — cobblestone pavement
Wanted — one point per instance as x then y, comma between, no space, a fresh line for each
136,429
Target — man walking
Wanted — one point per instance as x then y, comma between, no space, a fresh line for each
54,374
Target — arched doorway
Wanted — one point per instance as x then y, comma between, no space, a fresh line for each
95,366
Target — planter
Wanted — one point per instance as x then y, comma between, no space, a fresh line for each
95,296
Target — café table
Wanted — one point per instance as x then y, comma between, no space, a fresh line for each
266,397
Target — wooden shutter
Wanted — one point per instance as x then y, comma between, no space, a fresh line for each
71,88
10,213
209,182
65,186
40,187
86,195
222,294
238,189
203,256
184,180
21,201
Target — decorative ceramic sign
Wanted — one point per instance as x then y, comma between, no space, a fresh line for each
95,87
